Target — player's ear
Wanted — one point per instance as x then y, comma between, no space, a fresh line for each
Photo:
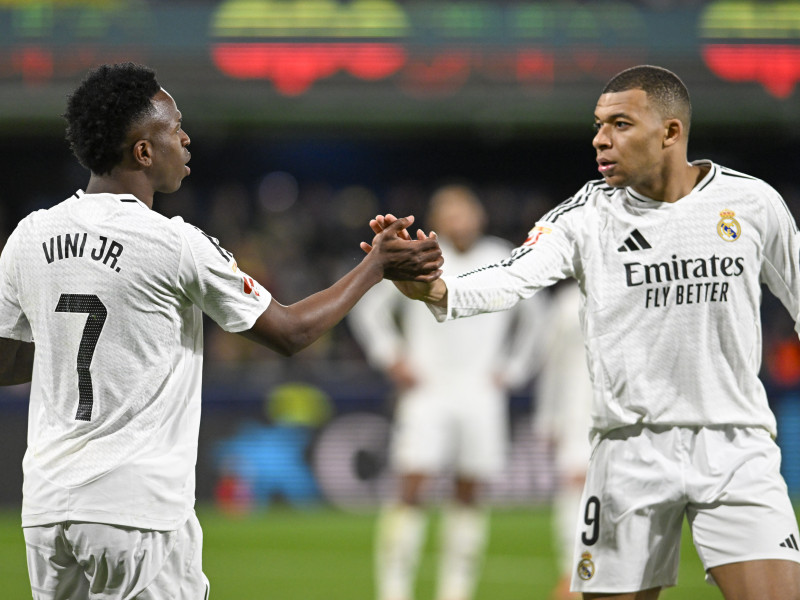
673,132
143,153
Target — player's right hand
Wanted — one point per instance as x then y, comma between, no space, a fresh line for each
402,258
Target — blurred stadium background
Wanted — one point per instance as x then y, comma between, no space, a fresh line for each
307,117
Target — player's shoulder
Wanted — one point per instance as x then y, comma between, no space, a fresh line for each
131,217
726,172
147,222
190,233
29,221
149,225
590,196
751,192
39,217
200,244
728,177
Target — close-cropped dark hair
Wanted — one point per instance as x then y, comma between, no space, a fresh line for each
665,89
102,109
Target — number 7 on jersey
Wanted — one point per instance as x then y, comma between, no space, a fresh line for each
96,310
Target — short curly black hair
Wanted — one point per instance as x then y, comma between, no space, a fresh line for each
102,109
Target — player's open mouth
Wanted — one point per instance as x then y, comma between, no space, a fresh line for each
604,166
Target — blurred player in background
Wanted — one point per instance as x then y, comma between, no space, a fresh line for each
562,417
670,256
113,294
451,413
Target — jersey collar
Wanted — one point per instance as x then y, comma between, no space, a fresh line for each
701,185
127,198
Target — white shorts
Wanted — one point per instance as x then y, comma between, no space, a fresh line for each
75,560
643,481
439,429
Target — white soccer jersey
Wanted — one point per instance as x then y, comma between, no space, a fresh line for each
564,390
671,295
455,416
449,355
112,293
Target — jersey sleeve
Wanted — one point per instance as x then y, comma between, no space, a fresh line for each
780,269
547,256
211,279
13,322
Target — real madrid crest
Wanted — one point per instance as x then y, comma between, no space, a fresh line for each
728,227
586,567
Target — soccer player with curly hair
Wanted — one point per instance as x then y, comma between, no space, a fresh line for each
101,305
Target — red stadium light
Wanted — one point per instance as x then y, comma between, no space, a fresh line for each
295,67
535,64
295,43
777,68
753,41
438,75
34,63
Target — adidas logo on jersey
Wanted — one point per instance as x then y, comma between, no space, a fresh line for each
790,542
635,241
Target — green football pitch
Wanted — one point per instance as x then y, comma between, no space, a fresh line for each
324,554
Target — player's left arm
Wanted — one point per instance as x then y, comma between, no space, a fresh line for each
781,266
288,329
16,361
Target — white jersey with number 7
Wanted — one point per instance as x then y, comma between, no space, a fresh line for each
112,293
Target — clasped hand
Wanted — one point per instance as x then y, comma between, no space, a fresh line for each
403,258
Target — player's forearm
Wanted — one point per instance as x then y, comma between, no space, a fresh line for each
16,361
320,312
289,329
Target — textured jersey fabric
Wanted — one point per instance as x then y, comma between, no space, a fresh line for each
459,351
670,293
112,294
563,387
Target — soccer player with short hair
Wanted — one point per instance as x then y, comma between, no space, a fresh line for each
561,418
670,256
111,296
451,415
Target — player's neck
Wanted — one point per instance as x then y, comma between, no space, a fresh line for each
118,184
685,180
673,182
